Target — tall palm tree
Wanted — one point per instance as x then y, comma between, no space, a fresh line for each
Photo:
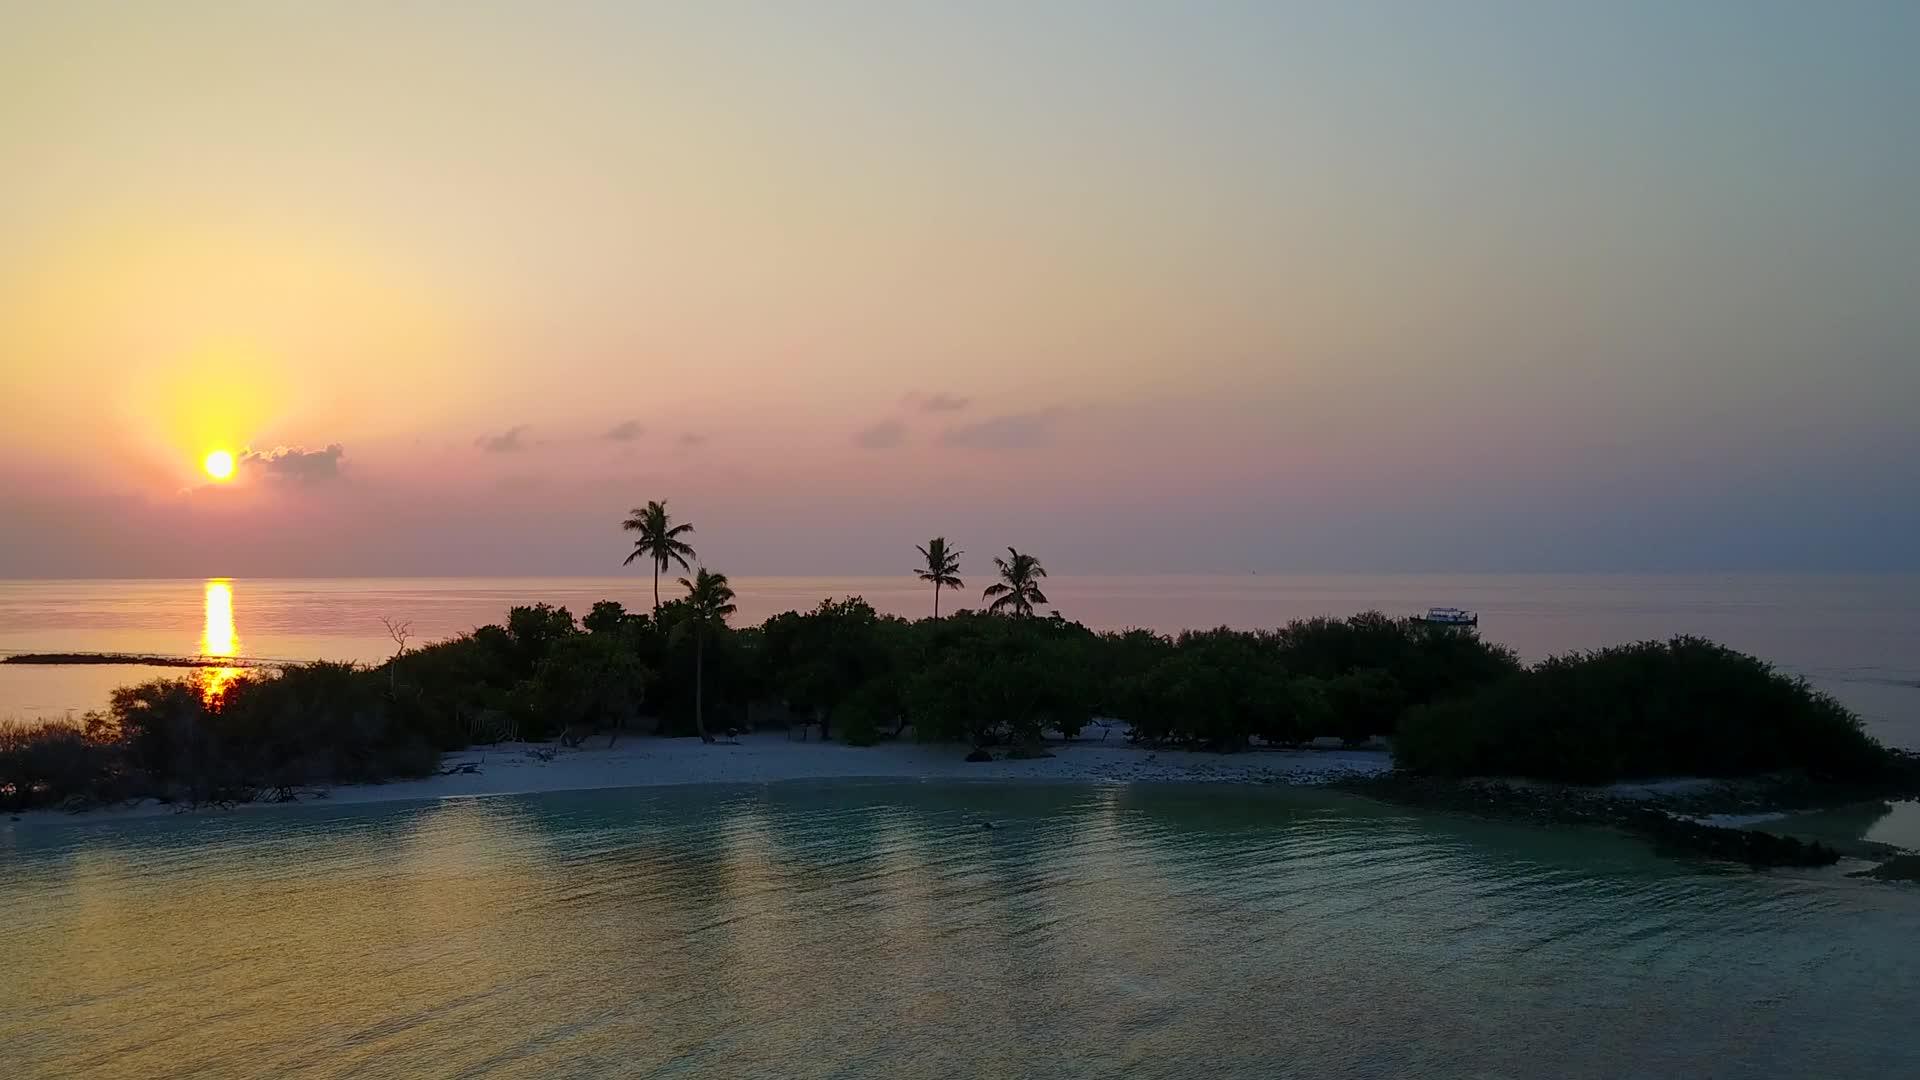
1019,584
709,602
942,569
660,541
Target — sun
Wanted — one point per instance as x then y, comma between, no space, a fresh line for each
219,465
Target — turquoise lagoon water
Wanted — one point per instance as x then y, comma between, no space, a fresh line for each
878,930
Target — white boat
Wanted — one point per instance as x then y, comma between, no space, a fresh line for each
1449,616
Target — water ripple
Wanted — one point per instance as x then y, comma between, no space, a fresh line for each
879,930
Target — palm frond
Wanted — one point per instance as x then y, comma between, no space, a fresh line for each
658,537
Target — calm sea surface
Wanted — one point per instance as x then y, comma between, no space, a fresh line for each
875,930
1857,637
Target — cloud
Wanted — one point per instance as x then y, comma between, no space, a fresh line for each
507,442
692,438
625,431
939,402
885,434
295,464
1014,431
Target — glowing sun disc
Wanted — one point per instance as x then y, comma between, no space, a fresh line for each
219,465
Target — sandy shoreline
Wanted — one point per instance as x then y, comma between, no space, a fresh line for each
641,761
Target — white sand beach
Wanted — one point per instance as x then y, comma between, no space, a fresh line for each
644,761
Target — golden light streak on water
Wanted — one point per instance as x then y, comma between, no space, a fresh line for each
217,638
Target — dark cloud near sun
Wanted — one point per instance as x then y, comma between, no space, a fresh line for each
939,402
625,431
1013,431
881,436
294,464
511,441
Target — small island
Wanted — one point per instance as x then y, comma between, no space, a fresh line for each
1470,728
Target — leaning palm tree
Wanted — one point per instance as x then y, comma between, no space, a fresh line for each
659,541
1019,584
709,602
942,569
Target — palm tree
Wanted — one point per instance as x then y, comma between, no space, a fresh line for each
709,602
659,541
1019,586
942,569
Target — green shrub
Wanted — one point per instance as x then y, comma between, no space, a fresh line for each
584,679
48,763
991,679
1682,707
1363,702
1348,677
868,713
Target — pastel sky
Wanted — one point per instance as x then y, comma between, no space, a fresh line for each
1138,286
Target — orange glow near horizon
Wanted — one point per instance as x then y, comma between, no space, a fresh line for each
217,638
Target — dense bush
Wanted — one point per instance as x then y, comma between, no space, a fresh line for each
818,661
1347,677
264,733
990,679
1457,704
1685,707
585,680
1216,688
44,764
869,712
306,725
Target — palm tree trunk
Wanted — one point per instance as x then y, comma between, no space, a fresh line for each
656,596
936,599
700,685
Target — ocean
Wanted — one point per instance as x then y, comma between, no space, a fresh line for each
1856,637
876,930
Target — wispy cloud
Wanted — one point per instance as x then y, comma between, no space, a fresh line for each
938,402
295,464
692,438
1013,431
881,436
510,441
625,431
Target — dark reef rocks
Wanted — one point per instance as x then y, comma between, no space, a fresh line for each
1560,805
1898,868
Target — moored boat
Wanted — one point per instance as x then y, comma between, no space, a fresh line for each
1449,616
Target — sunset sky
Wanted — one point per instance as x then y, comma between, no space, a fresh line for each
1136,286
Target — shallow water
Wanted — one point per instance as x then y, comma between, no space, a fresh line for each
1896,823
1857,637
877,931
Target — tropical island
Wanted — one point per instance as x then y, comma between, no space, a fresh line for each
1006,682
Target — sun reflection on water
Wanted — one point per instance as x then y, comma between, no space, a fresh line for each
217,638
